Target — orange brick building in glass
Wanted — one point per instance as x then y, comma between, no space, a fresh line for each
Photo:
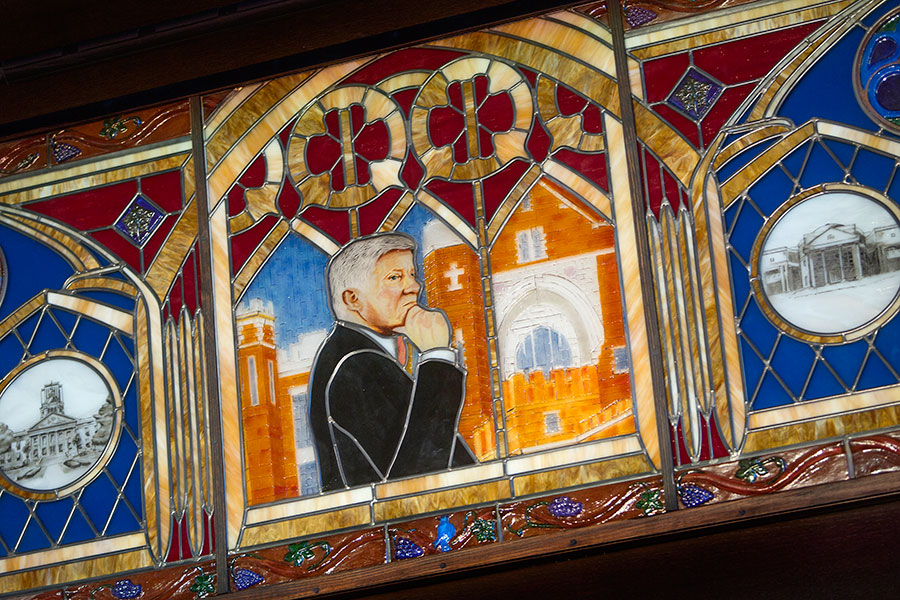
563,351
267,417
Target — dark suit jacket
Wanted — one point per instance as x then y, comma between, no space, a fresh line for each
372,421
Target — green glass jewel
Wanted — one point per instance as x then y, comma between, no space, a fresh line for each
650,502
204,585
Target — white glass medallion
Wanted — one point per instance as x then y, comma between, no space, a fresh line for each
57,416
831,262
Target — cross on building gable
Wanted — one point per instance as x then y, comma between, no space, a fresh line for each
453,274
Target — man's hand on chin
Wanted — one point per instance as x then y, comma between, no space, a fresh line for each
426,328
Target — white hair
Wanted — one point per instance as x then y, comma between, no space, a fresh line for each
353,264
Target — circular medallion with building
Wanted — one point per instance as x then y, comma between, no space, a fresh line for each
57,417
829,264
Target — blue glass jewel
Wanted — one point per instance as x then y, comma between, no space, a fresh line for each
244,578
694,495
406,548
445,533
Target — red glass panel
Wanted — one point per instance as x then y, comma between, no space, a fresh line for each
90,209
481,89
363,176
334,223
679,450
592,166
243,244
190,282
496,113
373,141
685,199
405,99
592,119
288,200
235,200
255,175
568,102
372,214
180,547
461,150
454,92
337,177
671,187
322,154
538,143
185,540
164,189
357,118
723,108
530,75
175,546
498,185
457,196
426,59
679,122
713,447
445,124
751,57
119,246
412,171
285,134
333,124
485,142
662,74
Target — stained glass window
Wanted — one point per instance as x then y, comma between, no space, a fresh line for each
532,277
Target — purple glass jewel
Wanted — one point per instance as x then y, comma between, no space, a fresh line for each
887,91
637,16
695,93
883,49
565,507
140,220
125,588
63,152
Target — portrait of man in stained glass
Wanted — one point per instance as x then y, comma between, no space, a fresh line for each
387,388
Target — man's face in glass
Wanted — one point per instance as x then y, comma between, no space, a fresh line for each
390,292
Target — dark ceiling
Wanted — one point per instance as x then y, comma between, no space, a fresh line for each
63,62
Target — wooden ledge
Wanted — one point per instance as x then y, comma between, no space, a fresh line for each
685,522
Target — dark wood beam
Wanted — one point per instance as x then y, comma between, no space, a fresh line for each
215,49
